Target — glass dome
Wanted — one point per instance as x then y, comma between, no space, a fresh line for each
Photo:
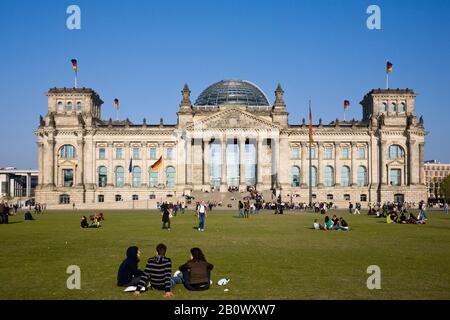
238,92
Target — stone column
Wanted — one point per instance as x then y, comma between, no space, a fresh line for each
80,168
223,181
259,164
275,141
181,164
51,162
28,192
354,169
40,164
188,165
145,173
110,170
206,163
127,164
284,164
337,166
413,158
242,177
319,165
421,163
383,171
304,166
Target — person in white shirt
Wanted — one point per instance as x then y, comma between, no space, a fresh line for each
201,215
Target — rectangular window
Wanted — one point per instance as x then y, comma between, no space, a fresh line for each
135,197
170,153
362,153
101,198
118,153
295,153
118,197
328,153
363,198
101,153
395,177
68,177
345,153
136,154
153,153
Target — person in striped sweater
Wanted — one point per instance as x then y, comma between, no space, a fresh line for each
158,272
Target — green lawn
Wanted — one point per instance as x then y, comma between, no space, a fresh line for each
266,257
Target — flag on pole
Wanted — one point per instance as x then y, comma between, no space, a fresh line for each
130,167
156,165
346,104
116,103
311,139
388,67
74,65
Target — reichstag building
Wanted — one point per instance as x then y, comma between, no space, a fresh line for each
231,136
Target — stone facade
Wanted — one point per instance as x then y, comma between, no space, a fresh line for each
83,159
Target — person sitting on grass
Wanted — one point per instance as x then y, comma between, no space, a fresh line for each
402,218
317,225
412,219
129,274
196,273
100,216
158,273
388,218
95,224
84,223
394,217
28,216
343,225
335,222
328,223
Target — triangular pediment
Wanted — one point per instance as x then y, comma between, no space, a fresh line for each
395,162
233,118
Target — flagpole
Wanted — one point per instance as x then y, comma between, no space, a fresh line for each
117,114
387,80
75,79
310,161
344,113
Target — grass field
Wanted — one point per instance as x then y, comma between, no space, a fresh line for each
266,256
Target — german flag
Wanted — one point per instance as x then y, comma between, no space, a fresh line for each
74,64
156,165
388,67
346,104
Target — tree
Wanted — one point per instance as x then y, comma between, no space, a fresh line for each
445,188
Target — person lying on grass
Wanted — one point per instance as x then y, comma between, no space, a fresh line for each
317,225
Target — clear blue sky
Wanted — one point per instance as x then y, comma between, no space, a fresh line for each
143,52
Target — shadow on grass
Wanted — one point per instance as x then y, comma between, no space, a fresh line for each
13,222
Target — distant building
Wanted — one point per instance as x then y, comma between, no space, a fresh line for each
18,183
435,172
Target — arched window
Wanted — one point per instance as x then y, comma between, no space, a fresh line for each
136,175
393,107
383,107
345,176
395,152
102,176
120,181
60,107
69,106
329,176
153,179
68,151
313,176
362,176
295,176
79,106
170,177
402,107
